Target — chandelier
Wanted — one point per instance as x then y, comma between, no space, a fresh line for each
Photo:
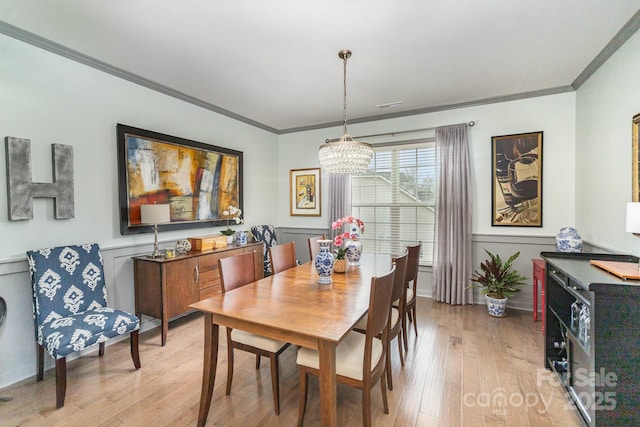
345,156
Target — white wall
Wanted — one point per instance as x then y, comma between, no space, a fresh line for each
554,115
49,99
605,106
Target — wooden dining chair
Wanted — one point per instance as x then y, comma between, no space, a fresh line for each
314,246
411,280
283,257
395,314
237,271
360,358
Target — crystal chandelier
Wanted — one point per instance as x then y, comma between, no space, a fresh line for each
345,156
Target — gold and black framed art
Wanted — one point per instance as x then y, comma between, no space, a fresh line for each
517,180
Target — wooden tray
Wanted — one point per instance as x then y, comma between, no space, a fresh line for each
624,270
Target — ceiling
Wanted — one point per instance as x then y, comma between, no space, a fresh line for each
275,63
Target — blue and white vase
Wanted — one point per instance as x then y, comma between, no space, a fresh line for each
354,252
324,262
568,240
241,238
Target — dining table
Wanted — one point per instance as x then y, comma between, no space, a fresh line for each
292,306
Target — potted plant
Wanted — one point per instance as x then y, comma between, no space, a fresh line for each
340,265
498,281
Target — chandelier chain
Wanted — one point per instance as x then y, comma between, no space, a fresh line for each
346,156
344,82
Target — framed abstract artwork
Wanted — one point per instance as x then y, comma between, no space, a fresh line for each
517,180
304,192
198,181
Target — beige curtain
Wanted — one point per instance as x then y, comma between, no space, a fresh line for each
452,256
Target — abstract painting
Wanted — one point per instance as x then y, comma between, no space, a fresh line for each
198,181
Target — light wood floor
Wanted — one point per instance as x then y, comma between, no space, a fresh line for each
465,368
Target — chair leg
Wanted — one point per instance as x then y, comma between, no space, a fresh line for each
383,387
135,351
400,349
101,349
40,375
415,319
366,405
61,381
404,333
302,404
229,362
257,361
275,382
388,364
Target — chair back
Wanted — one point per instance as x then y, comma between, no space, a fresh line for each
379,305
399,278
237,270
66,280
314,246
267,235
413,263
282,257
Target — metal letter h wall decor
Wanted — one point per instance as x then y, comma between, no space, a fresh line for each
21,190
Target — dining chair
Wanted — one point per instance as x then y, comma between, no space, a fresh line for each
70,308
360,358
282,257
237,271
411,280
395,314
267,235
314,246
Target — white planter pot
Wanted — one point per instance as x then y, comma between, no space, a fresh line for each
496,307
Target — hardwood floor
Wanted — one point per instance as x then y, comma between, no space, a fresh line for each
464,369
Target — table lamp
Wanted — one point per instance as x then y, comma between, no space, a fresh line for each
155,214
633,217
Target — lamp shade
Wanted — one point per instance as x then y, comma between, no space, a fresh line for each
155,214
633,217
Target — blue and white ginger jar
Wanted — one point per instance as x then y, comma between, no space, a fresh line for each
568,240
324,262
241,238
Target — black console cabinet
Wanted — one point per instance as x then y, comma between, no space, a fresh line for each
592,337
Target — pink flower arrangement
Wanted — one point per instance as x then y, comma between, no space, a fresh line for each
356,228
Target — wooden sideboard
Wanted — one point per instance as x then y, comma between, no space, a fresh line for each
165,287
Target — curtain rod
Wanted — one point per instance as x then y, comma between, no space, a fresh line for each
470,124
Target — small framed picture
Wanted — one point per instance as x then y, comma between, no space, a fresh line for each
304,192
517,180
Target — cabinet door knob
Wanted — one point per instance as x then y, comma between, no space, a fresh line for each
197,274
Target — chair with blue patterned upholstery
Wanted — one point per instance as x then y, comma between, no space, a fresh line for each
267,235
70,307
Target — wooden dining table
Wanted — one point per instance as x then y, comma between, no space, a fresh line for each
292,306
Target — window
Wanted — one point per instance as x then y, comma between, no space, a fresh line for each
396,199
